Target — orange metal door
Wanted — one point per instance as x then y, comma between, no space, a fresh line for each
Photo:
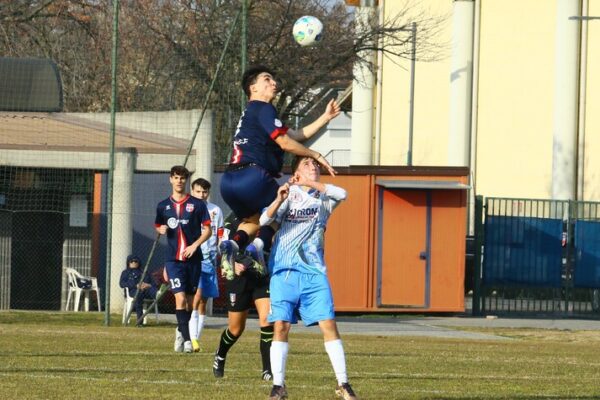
403,248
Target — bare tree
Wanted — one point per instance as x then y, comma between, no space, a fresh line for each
169,50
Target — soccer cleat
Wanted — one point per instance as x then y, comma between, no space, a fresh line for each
345,392
256,253
278,393
195,345
267,376
187,347
228,250
219,366
178,346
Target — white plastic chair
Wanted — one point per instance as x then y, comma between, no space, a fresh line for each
76,289
129,301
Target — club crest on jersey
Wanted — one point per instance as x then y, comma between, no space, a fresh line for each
189,207
295,197
172,223
232,299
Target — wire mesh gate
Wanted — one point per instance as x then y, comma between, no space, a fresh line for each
539,257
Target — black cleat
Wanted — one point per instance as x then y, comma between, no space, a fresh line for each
278,393
218,366
345,392
267,376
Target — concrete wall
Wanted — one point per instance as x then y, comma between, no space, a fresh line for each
514,93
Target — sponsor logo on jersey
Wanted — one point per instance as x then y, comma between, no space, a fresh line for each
173,222
302,214
189,207
168,207
240,141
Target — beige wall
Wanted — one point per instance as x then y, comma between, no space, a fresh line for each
514,109
515,98
432,93
592,109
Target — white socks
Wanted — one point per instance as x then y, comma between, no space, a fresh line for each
193,325
196,325
279,352
335,350
200,325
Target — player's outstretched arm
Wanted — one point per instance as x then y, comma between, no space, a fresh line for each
332,110
291,146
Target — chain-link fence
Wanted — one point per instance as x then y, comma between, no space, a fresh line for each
178,70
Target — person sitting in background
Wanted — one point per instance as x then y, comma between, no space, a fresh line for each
130,279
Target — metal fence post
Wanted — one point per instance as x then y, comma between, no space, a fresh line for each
478,232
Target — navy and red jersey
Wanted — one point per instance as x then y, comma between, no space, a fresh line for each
184,220
254,140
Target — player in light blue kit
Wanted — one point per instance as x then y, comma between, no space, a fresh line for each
208,286
299,281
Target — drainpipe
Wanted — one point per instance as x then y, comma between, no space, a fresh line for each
564,149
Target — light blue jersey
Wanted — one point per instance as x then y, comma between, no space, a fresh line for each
209,247
302,219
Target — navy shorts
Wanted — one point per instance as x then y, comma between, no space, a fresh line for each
183,276
248,190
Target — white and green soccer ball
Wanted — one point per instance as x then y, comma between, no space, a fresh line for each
307,30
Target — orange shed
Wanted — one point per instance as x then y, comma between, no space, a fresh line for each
398,242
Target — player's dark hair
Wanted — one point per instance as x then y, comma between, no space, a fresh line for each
296,162
250,75
203,183
180,170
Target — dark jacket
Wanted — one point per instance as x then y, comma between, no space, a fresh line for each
130,277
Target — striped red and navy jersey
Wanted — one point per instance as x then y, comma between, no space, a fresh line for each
184,220
254,140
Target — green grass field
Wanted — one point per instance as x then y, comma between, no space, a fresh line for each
73,356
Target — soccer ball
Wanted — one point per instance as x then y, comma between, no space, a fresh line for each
307,30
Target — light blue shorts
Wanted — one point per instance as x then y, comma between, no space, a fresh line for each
208,283
294,293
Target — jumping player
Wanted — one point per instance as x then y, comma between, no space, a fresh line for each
185,221
299,281
208,286
260,141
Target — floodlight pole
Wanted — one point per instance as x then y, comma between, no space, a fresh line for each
111,162
411,112
581,126
244,49
413,31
